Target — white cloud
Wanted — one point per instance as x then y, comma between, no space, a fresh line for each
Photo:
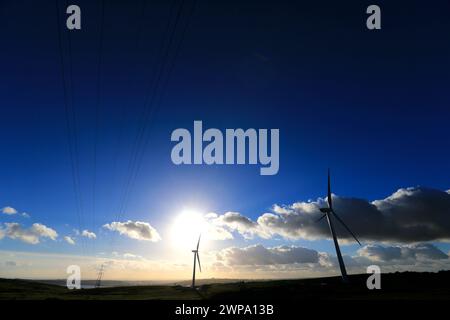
69,240
215,229
135,230
31,235
218,233
132,256
259,255
419,252
294,261
88,234
409,215
9,210
234,221
10,264
127,256
12,211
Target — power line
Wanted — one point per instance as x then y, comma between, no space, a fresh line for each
148,111
71,130
97,115
124,109
75,133
144,113
169,72
122,125
158,98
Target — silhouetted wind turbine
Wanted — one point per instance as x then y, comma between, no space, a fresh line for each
196,258
329,212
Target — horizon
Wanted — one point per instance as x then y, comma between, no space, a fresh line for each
188,280
87,168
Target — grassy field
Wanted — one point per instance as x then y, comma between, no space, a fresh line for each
395,286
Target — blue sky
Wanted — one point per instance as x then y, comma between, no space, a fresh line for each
372,106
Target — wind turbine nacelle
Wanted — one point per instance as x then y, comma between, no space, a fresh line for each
194,251
325,210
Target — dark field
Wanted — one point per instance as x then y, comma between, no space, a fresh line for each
394,286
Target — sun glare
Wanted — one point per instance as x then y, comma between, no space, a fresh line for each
187,227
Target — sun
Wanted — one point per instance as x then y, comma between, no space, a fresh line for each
187,227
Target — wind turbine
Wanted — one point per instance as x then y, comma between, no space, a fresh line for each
196,258
328,213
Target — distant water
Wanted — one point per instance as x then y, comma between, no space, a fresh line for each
88,286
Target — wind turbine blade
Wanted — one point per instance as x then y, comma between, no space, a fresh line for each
345,226
198,243
330,205
321,217
199,265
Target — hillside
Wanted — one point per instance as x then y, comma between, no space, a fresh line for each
404,286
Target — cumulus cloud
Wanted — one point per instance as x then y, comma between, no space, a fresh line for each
10,264
12,211
259,255
422,252
127,256
218,233
135,230
9,210
132,256
242,224
69,240
215,229
281,262
88,234
31,235
409,215
234,221
289,260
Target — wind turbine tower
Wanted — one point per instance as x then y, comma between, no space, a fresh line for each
196,258
98,283
329,212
